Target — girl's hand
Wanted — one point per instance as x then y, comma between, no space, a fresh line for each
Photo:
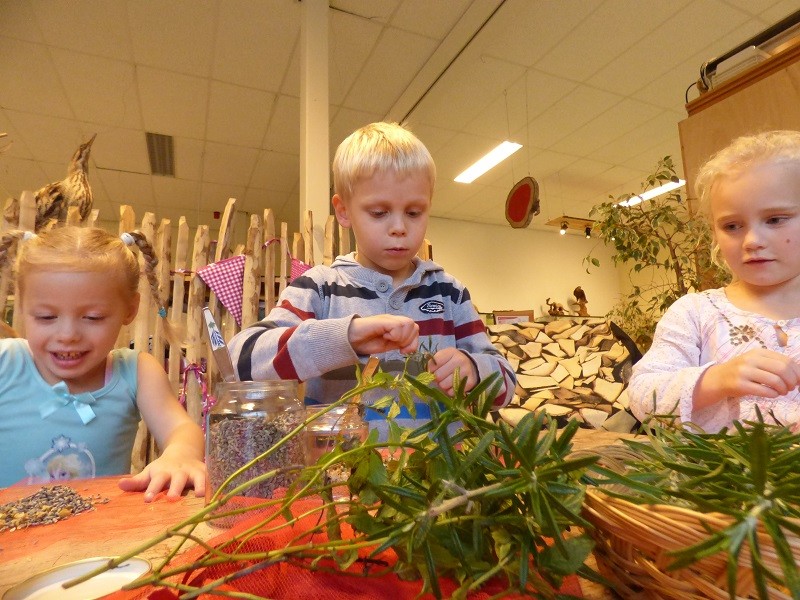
181,460
381,333
172,472
758,372
443,365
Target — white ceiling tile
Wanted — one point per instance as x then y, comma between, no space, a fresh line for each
176,193
19,174
175,36
778,11
533,93
756,7
100,90
569,114
644,135
30,82
431,19
283,134
612,124
379,11
606,33
228,164
376,87
121,150
350,41
434,136
276,172
452,102
19,21
133,189
96,27
173,104
547,163
189,158
693,25
50,139
523,31
653,56
12,144
648,158
238,115
252,42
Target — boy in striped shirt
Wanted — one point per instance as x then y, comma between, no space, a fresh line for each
379,300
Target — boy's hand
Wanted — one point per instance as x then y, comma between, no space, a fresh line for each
759,372
381,333
166,471
444,364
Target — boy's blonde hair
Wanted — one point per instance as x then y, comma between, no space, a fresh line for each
378,148
743,153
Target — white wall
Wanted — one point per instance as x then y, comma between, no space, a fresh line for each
514,269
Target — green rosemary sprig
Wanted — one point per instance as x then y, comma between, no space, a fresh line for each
460,496
749,474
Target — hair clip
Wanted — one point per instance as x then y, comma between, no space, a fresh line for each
127,239
162,312
28,235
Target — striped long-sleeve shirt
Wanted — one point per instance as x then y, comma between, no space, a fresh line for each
305,336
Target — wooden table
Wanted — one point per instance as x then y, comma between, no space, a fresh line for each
127,521
109,530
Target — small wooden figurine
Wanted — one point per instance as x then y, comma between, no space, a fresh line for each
555,309
580,300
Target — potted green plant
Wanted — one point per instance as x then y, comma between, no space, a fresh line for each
667,245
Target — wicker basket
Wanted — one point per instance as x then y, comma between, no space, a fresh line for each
633,541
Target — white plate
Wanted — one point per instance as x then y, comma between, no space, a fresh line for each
47,585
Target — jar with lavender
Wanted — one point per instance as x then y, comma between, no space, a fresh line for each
249,418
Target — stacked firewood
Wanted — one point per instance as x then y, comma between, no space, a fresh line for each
571,368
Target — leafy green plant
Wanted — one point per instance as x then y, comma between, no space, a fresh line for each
749,474
485,502
668,246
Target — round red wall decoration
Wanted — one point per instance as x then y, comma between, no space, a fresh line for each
522,202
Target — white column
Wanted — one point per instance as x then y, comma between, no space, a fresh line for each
314,131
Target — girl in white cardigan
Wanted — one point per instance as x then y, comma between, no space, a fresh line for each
719,354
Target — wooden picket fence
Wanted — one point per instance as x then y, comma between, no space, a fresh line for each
266,274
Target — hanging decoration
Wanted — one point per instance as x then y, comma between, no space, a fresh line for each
522,202
225,278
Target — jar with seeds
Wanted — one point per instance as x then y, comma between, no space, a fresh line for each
343,423
248,419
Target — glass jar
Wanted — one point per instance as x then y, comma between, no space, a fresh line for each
335,425
341,424
249,418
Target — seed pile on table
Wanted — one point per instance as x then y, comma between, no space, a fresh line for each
48,505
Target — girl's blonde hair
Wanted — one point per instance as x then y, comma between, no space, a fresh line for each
378,148
81,249
742,153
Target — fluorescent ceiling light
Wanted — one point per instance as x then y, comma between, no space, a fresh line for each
498,155
662,189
